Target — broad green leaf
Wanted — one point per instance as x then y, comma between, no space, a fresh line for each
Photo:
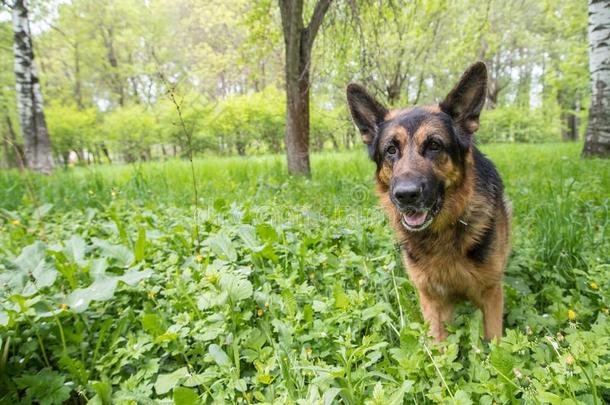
42,211
31,256
267,233
222,246
220,204
549,398
330,395
341,299
197,379
237,288
398,396
502,360
103,288
219,356
103,393
166,382
319,306
44,274
185,396
32,261
133,276
74,249
153,324
140,246
100,290
3,318
121,254
98,268
248,234
46,387
462,398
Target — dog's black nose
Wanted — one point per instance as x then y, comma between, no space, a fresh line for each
408,192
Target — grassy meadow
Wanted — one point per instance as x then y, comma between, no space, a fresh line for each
289,290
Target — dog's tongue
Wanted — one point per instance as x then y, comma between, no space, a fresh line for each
415,219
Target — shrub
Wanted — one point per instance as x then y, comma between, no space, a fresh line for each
518,124
71,129
132,130
250,119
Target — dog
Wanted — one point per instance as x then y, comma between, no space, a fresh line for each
443,197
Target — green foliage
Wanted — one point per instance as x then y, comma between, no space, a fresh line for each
46,388
255,119
296,293
518,124
132,130
223,61
72,129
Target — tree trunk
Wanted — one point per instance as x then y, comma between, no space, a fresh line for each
38,153
8,155
597,137
298,42
297,122
105,151
393,93
241,148
115,77
13,152
569,127
78,96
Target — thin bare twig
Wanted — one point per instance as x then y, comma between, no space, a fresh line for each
189,140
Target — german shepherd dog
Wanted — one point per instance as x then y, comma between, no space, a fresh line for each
443,197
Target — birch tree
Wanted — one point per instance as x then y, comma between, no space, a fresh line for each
597,137
37,144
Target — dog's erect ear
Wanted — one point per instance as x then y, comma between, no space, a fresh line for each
465,102
367,112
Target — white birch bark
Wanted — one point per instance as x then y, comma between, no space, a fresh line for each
597,137
37,144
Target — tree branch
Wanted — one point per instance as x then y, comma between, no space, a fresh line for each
316,20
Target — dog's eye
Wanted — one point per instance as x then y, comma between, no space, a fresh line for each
434,146
391,150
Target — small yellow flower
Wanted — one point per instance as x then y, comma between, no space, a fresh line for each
605,311
199,258
266,305
260,312
308,351
151,294
594,285
569,360
63,307
15,222
571,315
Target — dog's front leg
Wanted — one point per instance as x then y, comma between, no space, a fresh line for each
492,305
436,312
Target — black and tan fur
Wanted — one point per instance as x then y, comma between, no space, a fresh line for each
462,252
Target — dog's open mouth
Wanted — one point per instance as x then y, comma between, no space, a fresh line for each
416,220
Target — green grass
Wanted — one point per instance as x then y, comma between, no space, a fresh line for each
295,292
